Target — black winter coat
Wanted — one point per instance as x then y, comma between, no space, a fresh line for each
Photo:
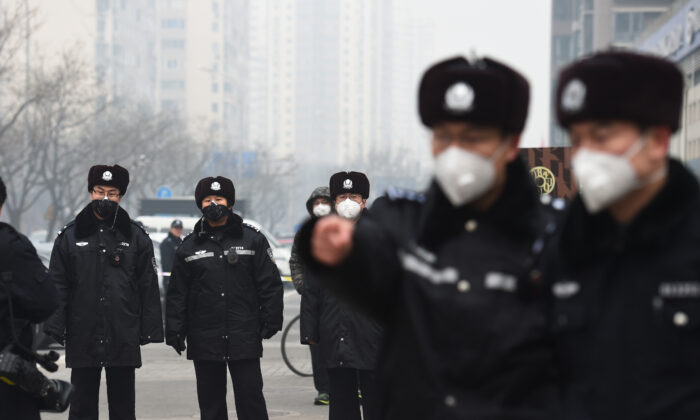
464,314
167,251
34,298
106,310
348,338
224,309
33,291
626,308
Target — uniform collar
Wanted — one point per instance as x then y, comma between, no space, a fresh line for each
86,223
233,227
584,236
514,213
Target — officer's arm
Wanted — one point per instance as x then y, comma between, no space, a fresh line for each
368,277
297,269
176,302
147,278
34,294
269,287
61,272
310,313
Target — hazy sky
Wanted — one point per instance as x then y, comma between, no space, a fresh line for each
516,32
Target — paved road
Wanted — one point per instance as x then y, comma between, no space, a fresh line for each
165,385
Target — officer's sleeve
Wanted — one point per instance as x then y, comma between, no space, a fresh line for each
297,269
176,301
269,287
61,272
310,312
34,295
147,278
368,278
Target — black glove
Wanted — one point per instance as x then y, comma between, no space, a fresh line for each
58,338
177,343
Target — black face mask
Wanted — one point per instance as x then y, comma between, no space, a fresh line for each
214,212
106,209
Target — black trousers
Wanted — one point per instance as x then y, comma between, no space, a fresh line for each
16,404
121,393
319,370
247,389
345,404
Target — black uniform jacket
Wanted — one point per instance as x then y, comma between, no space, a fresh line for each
465,320
107,307
348,338
626,308
33,292
167,251
224,303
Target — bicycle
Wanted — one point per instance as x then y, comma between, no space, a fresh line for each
296,356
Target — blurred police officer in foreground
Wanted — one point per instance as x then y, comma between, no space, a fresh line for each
107,279
225,296
318,205
626,291
168,248
349,341
452,273
34,299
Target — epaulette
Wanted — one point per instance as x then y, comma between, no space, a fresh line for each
255,228
396,194
187,236
140,226
63,229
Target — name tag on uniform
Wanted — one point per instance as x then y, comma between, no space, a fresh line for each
199,255
501,281
686,289
81,243
415,265
565,289
242,252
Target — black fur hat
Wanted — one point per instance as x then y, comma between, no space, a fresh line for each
484,92
218,185
620,85
113,176
349,182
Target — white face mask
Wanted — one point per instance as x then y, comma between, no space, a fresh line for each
349,209
605,177
321,210
463,175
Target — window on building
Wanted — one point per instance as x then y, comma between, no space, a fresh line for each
173,44
628,25
214,107
168,104
215,27
176,4
172,24
173,84
214,87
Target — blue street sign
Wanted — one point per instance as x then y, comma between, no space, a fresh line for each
164,192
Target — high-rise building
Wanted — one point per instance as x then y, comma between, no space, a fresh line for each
676,37
580,27
202,59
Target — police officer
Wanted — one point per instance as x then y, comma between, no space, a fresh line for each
626,268
225,296
26,281
107,279
348,340
451,272
167,250
318,205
